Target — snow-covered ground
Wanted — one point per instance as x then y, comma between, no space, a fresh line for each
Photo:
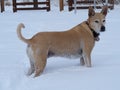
60,73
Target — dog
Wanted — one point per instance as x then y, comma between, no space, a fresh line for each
76,42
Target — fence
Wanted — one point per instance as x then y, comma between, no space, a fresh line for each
36,5
84,4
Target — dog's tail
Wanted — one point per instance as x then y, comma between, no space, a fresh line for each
19,28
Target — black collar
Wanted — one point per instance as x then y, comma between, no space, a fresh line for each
95,34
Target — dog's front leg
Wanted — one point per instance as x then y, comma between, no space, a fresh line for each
88,61
82,61
87,56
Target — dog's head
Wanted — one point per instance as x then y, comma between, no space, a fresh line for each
97,20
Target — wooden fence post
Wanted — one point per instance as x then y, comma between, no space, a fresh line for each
61,5
2,6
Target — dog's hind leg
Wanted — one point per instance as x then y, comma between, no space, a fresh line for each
31,69
32,62
40,62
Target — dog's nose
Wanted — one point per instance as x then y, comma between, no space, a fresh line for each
102,28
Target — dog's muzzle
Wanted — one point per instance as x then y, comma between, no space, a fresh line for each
102,28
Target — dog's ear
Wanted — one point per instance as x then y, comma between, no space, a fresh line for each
104,10
91,11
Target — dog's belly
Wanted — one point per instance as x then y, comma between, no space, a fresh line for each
76,54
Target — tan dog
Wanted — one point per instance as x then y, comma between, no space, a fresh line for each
78,42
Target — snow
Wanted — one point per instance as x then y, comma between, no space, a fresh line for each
60,73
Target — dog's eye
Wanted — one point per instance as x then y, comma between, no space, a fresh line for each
96,21
103,20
